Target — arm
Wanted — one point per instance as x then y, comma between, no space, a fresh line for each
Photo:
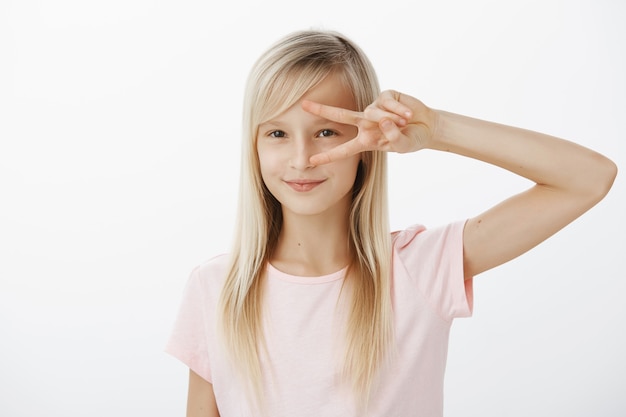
569,179
200,397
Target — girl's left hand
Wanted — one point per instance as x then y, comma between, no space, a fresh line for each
394,122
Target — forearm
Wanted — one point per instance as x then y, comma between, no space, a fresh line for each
548,161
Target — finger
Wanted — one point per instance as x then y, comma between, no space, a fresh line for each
390,130
395,102
336,114
377,114
343,151
397,140
394,105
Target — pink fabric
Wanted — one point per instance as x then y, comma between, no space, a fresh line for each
304,325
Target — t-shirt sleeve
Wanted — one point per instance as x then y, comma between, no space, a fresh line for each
188,340
433,260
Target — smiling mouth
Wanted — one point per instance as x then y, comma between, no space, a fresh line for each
304,185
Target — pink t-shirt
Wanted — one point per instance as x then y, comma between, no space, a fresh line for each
303,331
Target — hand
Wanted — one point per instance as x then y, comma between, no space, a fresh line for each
393,122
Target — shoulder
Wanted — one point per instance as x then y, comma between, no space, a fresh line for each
213,267
210,274
402,237
418,231
418,237
432,261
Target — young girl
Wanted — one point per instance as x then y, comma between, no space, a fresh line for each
319,310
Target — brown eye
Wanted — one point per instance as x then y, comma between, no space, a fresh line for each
326,133
277,134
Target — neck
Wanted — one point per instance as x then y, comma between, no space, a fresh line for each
312,245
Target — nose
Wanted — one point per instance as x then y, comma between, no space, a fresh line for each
301,153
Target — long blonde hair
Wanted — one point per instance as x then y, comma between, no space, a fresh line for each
280,77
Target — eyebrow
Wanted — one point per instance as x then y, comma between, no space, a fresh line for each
317,121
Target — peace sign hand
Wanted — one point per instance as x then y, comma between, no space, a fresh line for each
394,122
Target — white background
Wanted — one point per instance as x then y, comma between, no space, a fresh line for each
119,152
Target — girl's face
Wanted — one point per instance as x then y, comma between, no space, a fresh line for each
285,144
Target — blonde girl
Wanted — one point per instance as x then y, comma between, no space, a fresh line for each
318,310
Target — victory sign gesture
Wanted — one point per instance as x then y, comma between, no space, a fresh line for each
394,122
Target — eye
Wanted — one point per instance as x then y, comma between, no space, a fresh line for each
276,134
326,133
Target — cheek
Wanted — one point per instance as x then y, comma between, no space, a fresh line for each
269,163
348,170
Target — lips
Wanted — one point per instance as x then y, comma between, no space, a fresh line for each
303,185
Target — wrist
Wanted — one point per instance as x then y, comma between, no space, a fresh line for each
435,127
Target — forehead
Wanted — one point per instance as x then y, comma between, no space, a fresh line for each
289,88
332,91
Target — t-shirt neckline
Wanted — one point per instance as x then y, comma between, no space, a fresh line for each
273,272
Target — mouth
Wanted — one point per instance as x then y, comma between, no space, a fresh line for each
303,185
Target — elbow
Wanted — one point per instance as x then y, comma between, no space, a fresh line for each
605,171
